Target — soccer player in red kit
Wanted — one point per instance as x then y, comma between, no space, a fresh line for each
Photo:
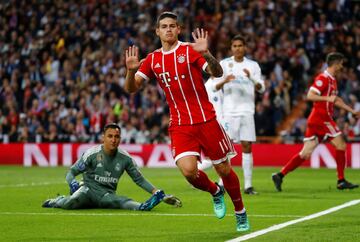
320,124
193,127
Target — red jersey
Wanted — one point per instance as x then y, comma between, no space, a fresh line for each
324,85
179,74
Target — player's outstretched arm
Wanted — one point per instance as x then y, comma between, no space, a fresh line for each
169,199
72,182
76,169
132,82
339,102
201,45
213,68
315,97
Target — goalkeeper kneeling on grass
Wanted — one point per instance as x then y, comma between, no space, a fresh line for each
102,167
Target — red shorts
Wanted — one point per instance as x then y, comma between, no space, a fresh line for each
209,137
322,130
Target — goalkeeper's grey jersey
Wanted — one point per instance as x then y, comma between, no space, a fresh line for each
102,172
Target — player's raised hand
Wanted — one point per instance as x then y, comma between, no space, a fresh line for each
247,72
229,78
200,40
132,58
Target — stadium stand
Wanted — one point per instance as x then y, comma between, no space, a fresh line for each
62,63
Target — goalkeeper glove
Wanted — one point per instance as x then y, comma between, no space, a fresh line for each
172,200
74,186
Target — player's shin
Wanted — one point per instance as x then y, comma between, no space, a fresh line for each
232,186
202,182
340,163
247,165
295,162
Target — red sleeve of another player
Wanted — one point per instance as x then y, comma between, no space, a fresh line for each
145,69
196,58
320,84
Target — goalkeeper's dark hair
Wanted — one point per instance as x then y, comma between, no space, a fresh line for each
166,15
239,37
334,58
111,126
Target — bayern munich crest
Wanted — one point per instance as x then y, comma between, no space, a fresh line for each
181,59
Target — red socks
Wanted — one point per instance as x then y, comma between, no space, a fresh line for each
292,164
232,186
203,183
297,160
340,163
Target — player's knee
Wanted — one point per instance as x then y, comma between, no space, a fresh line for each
224,173
305,155
223,169
341,146
246,147
190,175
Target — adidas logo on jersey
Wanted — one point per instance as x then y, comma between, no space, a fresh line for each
157,65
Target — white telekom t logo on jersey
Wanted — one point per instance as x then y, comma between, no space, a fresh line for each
165,76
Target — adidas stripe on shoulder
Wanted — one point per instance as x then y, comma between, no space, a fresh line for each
91,151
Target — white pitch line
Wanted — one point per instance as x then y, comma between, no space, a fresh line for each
31,184
136,214
283,225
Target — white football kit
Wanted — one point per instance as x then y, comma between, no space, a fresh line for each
239,98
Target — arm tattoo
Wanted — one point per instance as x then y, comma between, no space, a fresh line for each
213,65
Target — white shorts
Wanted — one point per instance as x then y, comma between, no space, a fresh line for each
240,128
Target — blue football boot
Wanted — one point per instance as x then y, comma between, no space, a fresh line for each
154,200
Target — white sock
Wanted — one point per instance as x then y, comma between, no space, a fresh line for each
220,182
205,164
242,211
247,165
217,190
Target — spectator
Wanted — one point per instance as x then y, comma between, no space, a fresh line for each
53,52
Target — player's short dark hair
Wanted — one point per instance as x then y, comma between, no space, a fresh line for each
334,58
111,126
239,37
166,15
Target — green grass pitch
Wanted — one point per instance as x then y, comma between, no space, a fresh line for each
305,191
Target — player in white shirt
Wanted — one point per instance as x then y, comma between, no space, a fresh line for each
216,97
241,78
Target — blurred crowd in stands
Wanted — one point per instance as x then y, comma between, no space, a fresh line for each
62,64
